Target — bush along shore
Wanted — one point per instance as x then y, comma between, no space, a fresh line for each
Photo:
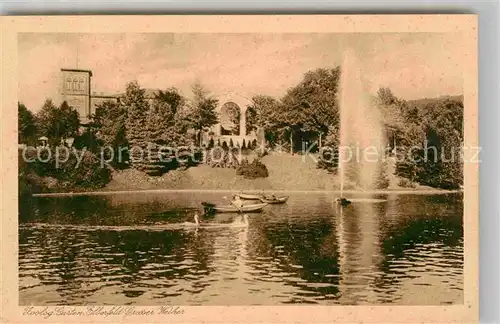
81,171
271,172
430,129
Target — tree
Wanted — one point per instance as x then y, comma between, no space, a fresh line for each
137,112
88,140
429,135
109,123
310,108
57,122
260,115
202,114
26,125
171,114
386,96
172,97
443,122
109,120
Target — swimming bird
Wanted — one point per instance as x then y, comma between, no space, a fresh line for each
196,221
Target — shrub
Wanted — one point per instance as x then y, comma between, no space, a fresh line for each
328,166
328,160
88,140
67,175
222,157
253,170
89,174
406,183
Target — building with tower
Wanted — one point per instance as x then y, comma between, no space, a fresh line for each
75,89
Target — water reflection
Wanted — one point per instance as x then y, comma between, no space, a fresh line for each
405,249
359,246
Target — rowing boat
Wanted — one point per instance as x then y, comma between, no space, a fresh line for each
252,208
277,200
249,196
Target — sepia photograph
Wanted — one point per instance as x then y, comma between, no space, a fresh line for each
224,168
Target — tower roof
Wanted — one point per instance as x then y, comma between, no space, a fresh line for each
77,70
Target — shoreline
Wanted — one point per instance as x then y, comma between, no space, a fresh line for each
284,172
359,192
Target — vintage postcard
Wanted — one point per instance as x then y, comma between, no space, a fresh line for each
306,168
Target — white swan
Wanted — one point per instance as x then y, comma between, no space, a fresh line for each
196,221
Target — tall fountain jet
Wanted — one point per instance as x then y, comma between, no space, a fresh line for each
361,133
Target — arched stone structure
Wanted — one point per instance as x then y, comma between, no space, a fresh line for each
229,119
231,100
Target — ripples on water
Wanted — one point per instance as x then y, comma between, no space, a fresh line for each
405,249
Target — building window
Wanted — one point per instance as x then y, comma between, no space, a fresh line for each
68,84
75,84
81,85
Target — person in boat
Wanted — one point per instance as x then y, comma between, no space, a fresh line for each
272,196
237,201
343,201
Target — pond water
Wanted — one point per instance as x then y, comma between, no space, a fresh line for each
133,249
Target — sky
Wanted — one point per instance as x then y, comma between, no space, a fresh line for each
416,65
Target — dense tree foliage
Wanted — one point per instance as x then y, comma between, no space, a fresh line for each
261,115
57,123
171,110
307,110
108,125
88,140
26,125
109,121
162,130
81,170
137,113
202,111
428,137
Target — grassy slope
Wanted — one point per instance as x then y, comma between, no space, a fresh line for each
286,172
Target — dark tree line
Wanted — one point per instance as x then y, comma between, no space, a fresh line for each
428,134
308,112
55,123
147,126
